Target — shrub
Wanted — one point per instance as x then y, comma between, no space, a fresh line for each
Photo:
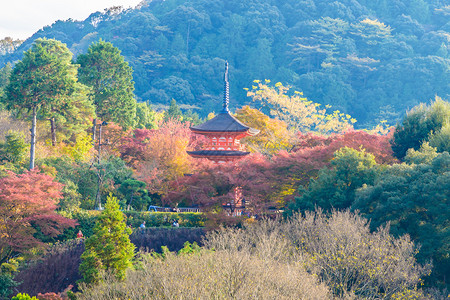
86,220
212,275
49,296
58,268
340,250
311,257
53,272
20,296
158,219
152,239
343,252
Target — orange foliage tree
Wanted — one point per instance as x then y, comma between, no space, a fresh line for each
159,155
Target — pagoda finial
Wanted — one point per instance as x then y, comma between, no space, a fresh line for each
226,90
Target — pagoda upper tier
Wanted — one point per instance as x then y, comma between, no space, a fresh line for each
223,132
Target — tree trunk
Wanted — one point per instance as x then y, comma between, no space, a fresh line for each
131,200
53,131
94,129
98,196
33,138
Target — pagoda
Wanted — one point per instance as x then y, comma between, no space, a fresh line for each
223,133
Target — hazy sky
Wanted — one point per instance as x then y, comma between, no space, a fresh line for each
21,18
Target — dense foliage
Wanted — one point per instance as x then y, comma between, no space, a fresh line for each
365,58
415,200
423,124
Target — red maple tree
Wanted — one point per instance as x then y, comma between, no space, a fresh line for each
27,203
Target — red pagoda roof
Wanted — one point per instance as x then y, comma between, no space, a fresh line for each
224,122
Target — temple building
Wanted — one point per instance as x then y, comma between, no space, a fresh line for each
224,133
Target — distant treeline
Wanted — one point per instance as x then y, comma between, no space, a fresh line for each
366,58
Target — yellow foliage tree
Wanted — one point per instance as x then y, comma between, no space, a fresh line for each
273,136
297,111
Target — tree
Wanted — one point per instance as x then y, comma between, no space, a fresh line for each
271,183
9,45
14,149
174,111
109,248
424,155
441,138
299,113
27,205
159,155
422,123
104,69
351,258
39,81
135,194
414,199
5,72
146,117
71,116
7,281
335,188
273,136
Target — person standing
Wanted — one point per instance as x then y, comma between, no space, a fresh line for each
142,227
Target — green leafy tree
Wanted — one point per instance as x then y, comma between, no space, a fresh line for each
135,194
414,199
421,124
336,187
72,117
109,248
5,72
7,272
441,139
39,81
424,155
146,117
104,69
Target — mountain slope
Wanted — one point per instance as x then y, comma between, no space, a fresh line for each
371,59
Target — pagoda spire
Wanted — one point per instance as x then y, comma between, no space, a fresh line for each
223,133
226,90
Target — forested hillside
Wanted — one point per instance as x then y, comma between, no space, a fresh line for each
370,59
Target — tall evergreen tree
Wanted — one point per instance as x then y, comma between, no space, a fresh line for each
109,248
174,111
104,69
39,82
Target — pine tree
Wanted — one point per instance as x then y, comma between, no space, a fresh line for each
174,111
109,248
104,69
40,81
